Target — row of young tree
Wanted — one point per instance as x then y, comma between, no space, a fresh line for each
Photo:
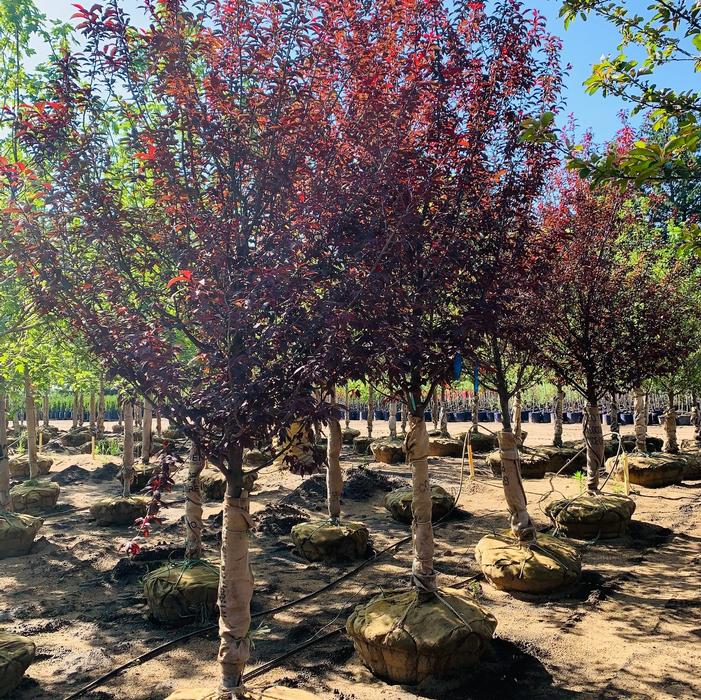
247,204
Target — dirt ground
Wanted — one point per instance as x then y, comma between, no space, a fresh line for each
631,629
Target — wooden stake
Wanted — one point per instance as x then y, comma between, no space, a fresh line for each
41,441
92,449
471,462
626,474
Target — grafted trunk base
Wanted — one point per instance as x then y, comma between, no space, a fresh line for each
404,637
547,566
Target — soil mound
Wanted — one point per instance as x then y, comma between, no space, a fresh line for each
105,473
361,483
311,493
71,475
278,519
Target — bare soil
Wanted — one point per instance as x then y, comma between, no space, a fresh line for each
631,629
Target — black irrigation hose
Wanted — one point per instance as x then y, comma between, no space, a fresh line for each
146,656
156,651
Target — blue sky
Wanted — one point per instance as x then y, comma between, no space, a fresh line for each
583,44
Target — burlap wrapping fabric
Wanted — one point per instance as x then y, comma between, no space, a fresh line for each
17,533
34,497
398,503
481,442
348,435
388,450
404,639
273,693
16,653
326,541
361,444
213,483
650,470
182,592
588,516
19,466
566,459
141,476
445,447
532,463
118,510
545,566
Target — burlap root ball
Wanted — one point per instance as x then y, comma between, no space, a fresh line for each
213,484
403,639
348,435
546,566
692,463
323,541
388,451
19,466
575,459
361,444
278,692
481,442
398,503
16,653
142,475
34,497
603,515
17,533
650,470
76,438
445,447
118,511
182,592
534,463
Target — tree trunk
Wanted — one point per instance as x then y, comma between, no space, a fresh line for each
74,410
521,524
120,414
93,410
443,414
128,459
100,420
559,403
334,475
392,419
613,412
475,409
146,432
159,427
670,426
236,579
640,419
371,409
138,414
696,417
517,418
31,426
193,506
81,410
404,417
45,409
422,572
594,439
5,500
435,410
346,399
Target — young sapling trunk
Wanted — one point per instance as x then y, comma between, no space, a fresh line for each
128,458
639,419
30,409
559,404
193,505
5,499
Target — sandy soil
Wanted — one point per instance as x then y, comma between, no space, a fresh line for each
630,630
